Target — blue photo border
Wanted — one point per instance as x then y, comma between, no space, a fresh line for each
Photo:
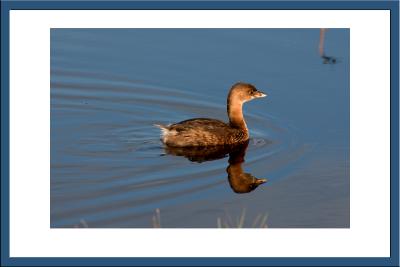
393,6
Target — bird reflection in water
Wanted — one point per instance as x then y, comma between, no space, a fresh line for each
239,181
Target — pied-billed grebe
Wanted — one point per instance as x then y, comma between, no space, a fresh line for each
209,132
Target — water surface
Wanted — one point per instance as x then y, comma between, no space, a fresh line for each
110,86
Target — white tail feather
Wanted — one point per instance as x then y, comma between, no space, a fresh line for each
164,129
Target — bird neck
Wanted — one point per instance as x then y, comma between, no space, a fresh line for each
235,114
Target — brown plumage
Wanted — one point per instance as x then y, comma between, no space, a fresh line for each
210,132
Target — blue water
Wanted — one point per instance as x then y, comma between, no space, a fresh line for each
110,169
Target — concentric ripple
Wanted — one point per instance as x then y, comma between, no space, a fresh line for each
108,166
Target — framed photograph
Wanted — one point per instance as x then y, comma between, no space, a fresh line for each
194,133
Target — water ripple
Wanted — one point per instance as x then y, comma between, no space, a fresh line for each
108,162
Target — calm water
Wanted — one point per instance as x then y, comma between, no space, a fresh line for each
109,168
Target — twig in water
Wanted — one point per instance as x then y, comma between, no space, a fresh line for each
157,219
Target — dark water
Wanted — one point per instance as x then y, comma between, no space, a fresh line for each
109,168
